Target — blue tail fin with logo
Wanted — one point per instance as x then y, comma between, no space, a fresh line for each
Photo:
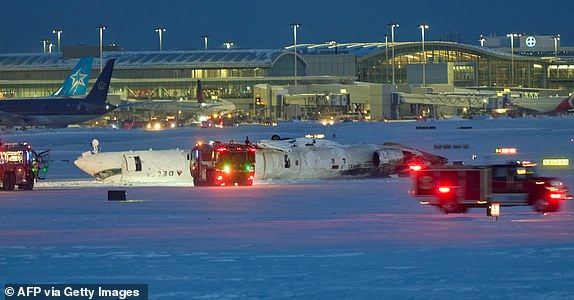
99,92
77,83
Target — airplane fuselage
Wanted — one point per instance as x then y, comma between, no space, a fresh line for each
148,166
290,159
50,111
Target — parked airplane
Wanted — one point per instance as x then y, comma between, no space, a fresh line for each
59,111
545,105
201,107
77,83
282,159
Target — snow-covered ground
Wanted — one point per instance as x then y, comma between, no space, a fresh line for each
315,239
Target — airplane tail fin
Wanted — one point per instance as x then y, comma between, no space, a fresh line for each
200,96
77,82
99,92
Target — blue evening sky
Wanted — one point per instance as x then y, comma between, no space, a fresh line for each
265,24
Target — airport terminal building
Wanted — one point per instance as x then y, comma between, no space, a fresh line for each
330,78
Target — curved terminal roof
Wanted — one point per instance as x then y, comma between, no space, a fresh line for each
227,58
363,50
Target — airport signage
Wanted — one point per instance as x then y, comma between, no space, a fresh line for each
530,41
506,151
556,162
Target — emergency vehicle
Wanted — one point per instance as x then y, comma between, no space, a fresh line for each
19,166
219,164
454,189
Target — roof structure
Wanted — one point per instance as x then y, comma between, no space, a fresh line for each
228,58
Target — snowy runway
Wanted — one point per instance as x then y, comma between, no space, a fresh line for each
310,240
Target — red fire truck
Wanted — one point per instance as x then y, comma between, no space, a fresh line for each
19,166
219,164
454,189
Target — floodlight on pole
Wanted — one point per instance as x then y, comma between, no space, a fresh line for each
295,25
333,44
50,47
205,38
512,36
228,44
482,39
160,31
101,29
393,25
44,43
423,27
387,58
58,32
556,39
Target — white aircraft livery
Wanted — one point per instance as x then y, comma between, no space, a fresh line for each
147,166
275,159
311,158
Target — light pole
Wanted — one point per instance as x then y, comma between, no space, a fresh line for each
44,43
295,25
333,43
556,39
50,47
160,31
512,36
423,27
205,37
58,32
387,58
481,40
228,45
101,29
393,25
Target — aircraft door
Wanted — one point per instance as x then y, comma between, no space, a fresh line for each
132,163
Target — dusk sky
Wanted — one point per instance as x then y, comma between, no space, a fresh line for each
265,24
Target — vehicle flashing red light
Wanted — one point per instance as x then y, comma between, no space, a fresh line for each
415,167
555,196
444,189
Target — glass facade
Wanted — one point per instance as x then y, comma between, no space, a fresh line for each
473,66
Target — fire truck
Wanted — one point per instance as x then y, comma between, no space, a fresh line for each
220,164
20,166
455,189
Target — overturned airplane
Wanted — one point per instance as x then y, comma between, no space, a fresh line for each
275,159
311,158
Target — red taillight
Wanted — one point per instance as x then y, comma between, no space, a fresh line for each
250,177
444,189
219,178
555,196
415,167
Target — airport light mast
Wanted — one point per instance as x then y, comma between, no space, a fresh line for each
44,43
481,40
556,39
50,47
423,27
295,25
160,31
58,32
512,36
228,45
205,37
101,28
386,58
392,25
